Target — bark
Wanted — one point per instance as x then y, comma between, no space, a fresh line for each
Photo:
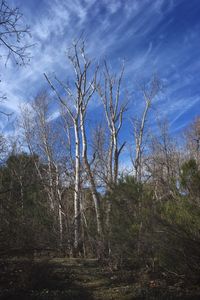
85,89
77,204
60,211
139,136
149,93
49,175
95,194
114,111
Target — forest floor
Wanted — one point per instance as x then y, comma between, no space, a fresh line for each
78,279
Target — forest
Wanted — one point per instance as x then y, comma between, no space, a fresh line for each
76,193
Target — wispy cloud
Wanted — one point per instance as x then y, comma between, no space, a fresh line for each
152,36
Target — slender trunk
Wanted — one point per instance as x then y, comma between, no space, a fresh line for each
109,186
60,224
139,141
59,199
77,214
110,162
22,196
49,164
95,194
116,164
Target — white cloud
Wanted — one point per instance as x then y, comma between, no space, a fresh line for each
60,21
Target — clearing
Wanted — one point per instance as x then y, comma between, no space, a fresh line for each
84,279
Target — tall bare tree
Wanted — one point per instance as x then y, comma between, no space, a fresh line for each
74,113
76,107
114,108
139,124
110,93
41,139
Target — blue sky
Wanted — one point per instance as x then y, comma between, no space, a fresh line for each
161,36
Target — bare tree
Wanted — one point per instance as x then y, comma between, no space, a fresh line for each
163,163
13,34
76,106
149,93
110,93
114,108
41,138
74,113
192,139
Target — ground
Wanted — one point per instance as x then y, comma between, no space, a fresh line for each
84,279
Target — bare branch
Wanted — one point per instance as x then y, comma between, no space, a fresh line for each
13,33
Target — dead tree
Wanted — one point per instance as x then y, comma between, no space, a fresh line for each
86,89
163,163
13,34
114,111
41,139
139,125
76,107
74,113
114,108
13,41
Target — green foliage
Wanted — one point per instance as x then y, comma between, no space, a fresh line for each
160,234
143,230
178,244
190,178
25,218
130,216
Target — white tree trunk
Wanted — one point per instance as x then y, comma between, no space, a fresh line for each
77,212
94,191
